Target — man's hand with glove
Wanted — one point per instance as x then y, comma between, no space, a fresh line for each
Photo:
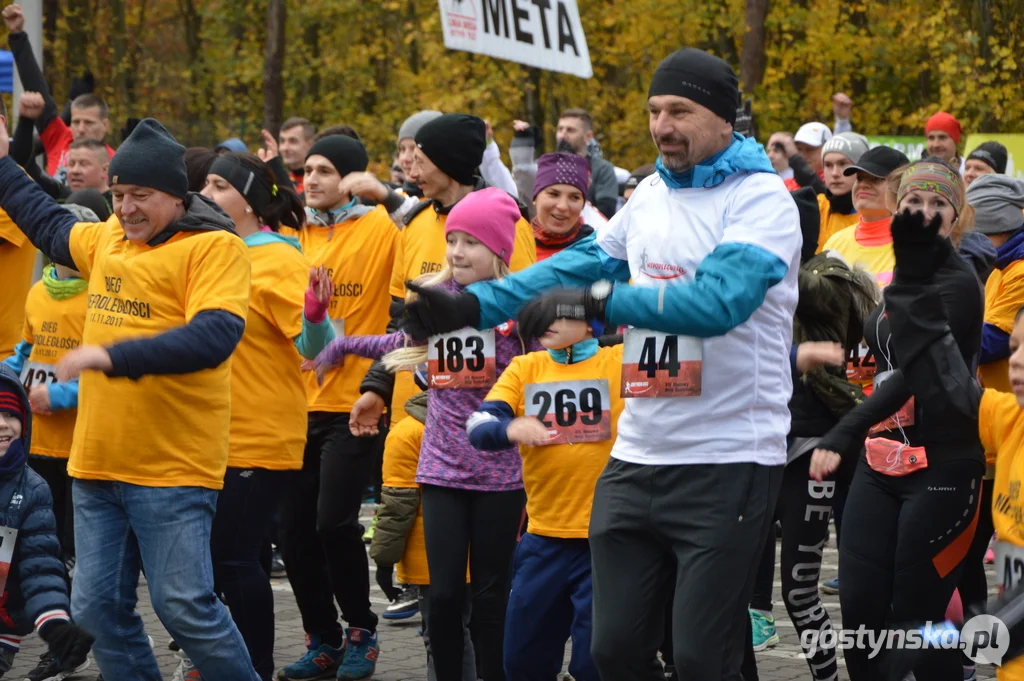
434,312
568,303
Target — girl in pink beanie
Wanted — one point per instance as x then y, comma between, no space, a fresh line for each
472,501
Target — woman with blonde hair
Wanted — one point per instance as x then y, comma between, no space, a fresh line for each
472,502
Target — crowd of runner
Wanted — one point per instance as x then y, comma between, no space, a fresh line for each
583,400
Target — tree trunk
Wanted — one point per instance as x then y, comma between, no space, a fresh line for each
51,14
752,56
273,66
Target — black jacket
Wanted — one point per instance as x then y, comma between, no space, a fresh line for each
963,302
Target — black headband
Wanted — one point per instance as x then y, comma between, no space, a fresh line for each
252,187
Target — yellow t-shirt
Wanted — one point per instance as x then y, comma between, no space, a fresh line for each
1001,426
560,479
54,328
831,223
358,255
266,378
879,260
17,260
1004,295
159,431
421,250
401,456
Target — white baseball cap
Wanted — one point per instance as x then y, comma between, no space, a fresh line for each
813,134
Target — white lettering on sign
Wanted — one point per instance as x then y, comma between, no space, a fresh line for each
547,34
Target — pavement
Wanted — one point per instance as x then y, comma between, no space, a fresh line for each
402,656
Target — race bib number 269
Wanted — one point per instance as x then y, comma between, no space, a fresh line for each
656,364
572,411
462,359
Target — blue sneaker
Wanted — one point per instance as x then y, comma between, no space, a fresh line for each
763,630
319,663
361,651
831,586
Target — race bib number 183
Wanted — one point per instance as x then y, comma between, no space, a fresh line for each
572,411
461,359
656,364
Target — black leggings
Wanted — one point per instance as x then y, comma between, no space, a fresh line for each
903,547
238,543
973,584
803,510
481,527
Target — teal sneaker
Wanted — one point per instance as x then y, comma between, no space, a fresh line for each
763,629
830,587
320,662
361,651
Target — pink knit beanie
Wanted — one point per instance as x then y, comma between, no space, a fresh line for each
490,217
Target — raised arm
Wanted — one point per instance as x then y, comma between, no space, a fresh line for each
44,221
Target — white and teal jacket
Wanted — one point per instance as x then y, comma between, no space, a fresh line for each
713,254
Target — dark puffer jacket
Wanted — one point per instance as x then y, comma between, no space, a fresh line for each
35,588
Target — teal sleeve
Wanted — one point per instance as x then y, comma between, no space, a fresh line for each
21,353
64,395
730,284
581,264
314,337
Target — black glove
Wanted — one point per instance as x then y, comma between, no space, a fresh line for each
435,311
81,86
68,642
386,581
567,303
918,248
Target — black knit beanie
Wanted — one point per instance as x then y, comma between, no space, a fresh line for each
992,154
701,77
151,157
455,144
346,154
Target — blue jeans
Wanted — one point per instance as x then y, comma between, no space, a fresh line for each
120,528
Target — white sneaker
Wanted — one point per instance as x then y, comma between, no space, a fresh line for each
186,671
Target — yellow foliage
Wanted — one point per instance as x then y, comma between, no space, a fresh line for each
371,64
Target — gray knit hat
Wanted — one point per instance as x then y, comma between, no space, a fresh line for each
151,157
998,202
849,144
413,123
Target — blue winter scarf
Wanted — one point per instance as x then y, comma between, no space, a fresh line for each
744,154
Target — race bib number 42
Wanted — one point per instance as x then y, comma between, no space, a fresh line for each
37,373
572,411
1009,564
660,365
461,359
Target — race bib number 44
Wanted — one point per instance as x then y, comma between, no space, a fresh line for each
37,373
461,359
572,411
656,364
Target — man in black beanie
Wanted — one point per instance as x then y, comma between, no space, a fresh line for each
168,299
702,264
321,539
989,158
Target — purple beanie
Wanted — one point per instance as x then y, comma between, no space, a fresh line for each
490,217
562,168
